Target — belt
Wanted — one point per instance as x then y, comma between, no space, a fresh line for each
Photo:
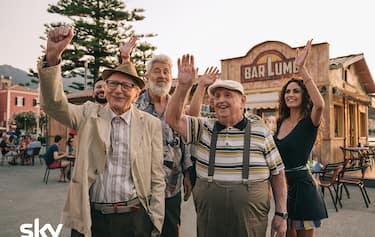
296,169
225,182
120,207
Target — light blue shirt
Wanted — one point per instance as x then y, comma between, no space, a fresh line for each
31,145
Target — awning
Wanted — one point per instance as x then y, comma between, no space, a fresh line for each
262,100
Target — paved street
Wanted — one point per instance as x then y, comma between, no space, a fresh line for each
24,197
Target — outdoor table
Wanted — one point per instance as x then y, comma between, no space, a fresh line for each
356,161
71,160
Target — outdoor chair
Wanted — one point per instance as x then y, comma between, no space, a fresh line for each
35,153
46,173
3,158
8,158
330,178
349,175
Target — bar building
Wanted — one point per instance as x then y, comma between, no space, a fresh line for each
345,83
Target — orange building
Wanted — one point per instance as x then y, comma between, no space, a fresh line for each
15,99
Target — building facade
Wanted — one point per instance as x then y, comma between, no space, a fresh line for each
345,84
15,99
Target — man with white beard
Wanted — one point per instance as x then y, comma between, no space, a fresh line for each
154,100
177,159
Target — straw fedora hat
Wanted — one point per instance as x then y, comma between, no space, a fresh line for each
126,69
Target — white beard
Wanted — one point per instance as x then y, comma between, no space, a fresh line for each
160,90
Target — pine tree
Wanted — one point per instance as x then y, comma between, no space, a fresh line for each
140,56
100,27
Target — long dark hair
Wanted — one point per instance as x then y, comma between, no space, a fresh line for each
306,105
69,142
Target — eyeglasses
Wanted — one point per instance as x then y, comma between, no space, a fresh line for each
124,85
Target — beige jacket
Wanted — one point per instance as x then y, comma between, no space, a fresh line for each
93,123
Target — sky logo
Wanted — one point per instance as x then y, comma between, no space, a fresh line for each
28,231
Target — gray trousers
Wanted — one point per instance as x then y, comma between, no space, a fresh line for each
227,209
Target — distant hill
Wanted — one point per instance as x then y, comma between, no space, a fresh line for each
20,77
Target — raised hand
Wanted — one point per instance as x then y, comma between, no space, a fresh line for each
127,48
209,76
186,70
58,39
302,55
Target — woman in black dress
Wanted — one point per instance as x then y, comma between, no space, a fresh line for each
300,113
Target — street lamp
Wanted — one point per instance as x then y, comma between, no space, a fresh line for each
37,116
86,63
24,124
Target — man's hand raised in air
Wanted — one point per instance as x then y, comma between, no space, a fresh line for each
58,39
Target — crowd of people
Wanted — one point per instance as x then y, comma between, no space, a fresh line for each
135,145
18,149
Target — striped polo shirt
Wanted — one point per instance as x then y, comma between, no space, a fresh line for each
264,156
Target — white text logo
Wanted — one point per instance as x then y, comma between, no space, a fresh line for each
28,231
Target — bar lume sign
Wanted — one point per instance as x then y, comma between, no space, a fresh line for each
268,65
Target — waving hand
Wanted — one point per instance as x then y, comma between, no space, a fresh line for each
186,70
302,55
127,48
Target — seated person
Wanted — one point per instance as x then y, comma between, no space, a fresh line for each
315,168
24,142
33,144
70,146
8,149
4,145
52,158
30,149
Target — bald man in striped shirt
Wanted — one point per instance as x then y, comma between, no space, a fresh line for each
237,161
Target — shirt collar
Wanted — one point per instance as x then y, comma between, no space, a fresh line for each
241,125
147,97
125,116
145,103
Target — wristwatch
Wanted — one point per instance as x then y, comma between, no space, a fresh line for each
283,215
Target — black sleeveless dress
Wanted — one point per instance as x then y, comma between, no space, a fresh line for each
304,200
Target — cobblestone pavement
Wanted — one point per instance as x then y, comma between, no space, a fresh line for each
24,197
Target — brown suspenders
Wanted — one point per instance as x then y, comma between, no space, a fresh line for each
246,153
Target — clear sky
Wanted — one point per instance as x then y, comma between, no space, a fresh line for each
210,29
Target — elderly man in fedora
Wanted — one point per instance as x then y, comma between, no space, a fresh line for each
117,187
237,161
